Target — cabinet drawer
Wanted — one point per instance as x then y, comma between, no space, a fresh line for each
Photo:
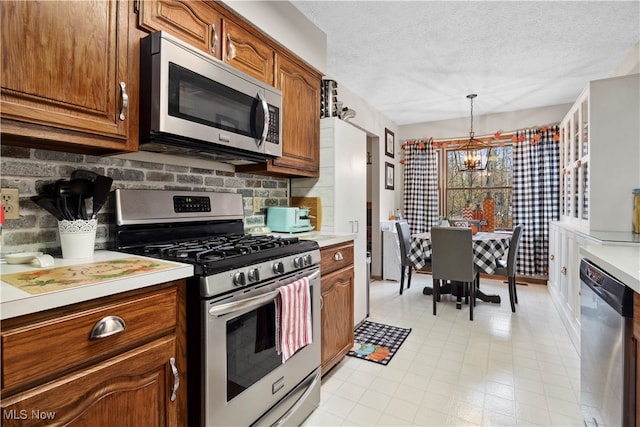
336,257
50,347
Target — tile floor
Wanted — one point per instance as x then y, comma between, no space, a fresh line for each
502,369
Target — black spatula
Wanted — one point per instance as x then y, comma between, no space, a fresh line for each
101,188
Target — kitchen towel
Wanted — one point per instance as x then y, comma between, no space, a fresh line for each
293,318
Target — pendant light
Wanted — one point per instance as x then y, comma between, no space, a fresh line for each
474,155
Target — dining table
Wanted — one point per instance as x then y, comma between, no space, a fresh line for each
488,247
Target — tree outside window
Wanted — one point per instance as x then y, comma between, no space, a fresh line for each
469,189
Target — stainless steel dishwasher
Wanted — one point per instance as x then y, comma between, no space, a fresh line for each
607,356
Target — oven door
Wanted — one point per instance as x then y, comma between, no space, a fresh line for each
244,374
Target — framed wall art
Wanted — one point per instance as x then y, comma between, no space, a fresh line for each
389,173
389,145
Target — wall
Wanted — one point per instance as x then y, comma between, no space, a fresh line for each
486,124
29,169
630,64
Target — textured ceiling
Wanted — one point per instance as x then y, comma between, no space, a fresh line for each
415,61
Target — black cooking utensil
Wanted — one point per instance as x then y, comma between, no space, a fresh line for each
48,204
101,188
84,174
62,191
81,189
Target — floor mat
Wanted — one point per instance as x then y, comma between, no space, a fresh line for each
377,342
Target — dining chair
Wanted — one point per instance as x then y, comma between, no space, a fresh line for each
508,267
406,265
452,260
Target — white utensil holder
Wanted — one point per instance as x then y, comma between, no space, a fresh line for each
77,237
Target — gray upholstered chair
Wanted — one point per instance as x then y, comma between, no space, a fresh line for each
406,265
452,260
508,267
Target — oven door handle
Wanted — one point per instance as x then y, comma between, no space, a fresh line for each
299,402
222,309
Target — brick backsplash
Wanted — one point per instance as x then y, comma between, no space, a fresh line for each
36,230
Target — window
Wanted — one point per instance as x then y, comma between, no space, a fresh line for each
465,191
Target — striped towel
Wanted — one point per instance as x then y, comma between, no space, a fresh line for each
293,318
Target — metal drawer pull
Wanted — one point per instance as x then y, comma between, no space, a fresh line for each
231,52
108,326
552,257
176,378
338,256
564,270
125,101
214,46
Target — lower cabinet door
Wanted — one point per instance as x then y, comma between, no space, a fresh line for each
132,389
337,316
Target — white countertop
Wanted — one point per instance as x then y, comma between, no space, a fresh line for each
323,239
621,261
16,302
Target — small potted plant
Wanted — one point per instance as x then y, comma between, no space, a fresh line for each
444,222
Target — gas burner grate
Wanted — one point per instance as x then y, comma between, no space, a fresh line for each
217,247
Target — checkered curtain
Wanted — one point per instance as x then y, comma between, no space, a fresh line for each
536,187
420,185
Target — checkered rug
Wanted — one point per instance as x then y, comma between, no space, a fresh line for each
377,342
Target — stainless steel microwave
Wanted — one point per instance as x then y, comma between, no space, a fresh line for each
192,103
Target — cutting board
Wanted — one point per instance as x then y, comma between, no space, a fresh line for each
59,278
314,204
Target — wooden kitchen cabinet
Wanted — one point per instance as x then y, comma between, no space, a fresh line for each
202,25
53,369
195,22
337,303
247,52
300,88
68,80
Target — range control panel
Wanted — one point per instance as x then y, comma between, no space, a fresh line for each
191,204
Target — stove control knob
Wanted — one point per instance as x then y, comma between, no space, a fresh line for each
239,279
278,267
254,275
308,259
297,262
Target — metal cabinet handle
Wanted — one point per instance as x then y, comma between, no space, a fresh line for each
321,302
231,52
214,46
176,378
125,100
564,270
552,257
108,326
338,256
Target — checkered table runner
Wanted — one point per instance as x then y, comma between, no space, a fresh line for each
487,248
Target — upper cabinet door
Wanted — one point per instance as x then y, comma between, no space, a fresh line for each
65,74
301,110
194,22
247,52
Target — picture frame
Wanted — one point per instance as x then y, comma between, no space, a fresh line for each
389,173
389,144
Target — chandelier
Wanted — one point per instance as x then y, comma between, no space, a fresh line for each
474,154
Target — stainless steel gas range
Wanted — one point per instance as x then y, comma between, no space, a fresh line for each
235,375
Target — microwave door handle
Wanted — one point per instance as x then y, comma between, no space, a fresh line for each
221,310
265,110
